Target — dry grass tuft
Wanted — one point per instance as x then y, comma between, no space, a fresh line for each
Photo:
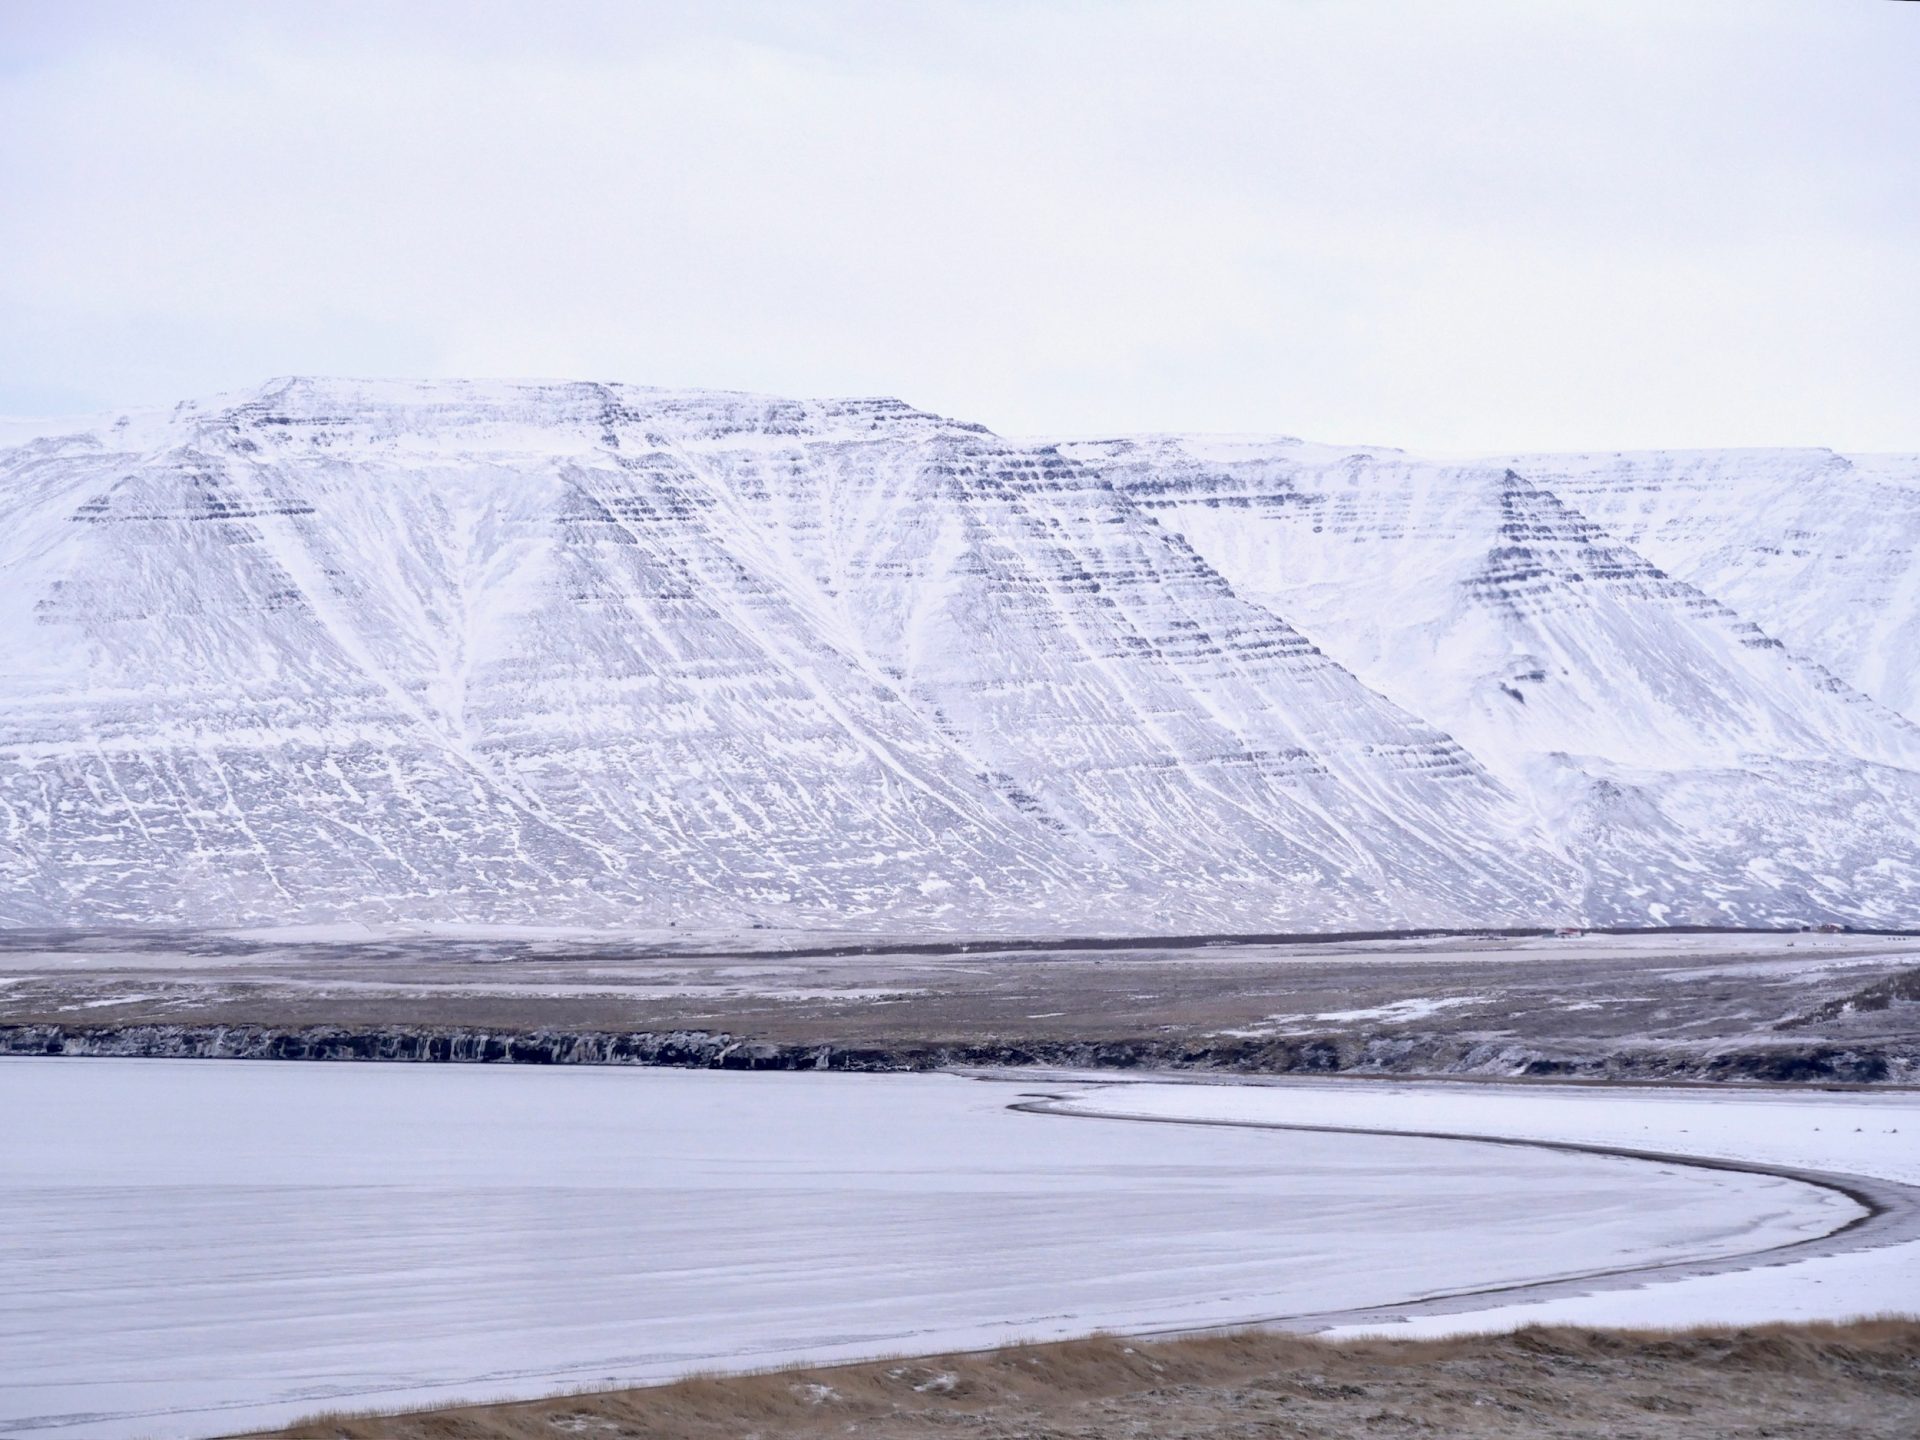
1860,1380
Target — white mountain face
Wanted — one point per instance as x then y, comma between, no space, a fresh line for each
1821,550
603,655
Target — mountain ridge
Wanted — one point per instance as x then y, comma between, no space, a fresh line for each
588,653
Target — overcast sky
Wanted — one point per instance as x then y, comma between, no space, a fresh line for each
1478,224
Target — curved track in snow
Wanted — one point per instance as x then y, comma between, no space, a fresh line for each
1889,1212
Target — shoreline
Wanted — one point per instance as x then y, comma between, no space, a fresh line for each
1890,1216
1780,1064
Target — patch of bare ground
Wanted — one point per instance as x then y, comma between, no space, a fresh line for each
1859,1380
1779,1008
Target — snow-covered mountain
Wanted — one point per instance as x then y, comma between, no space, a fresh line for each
603,655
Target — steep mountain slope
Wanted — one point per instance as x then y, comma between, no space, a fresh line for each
573,653
337,658
1822,550
1658,733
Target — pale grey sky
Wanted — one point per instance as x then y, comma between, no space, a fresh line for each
1443,224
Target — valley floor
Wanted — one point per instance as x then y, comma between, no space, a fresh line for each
1664,1006
196,1248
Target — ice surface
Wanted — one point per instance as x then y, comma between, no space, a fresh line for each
195,1247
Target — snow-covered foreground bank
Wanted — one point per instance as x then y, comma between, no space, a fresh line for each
193,1248
1847,1133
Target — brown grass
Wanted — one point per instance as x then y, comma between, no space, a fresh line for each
1860,1379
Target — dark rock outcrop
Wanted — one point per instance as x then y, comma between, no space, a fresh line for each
1408,1055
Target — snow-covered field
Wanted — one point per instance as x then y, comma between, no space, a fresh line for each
194,1248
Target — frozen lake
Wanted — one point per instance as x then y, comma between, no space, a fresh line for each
194,1248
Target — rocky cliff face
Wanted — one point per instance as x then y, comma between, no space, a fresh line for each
588,654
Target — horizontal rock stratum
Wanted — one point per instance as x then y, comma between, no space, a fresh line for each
586,654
